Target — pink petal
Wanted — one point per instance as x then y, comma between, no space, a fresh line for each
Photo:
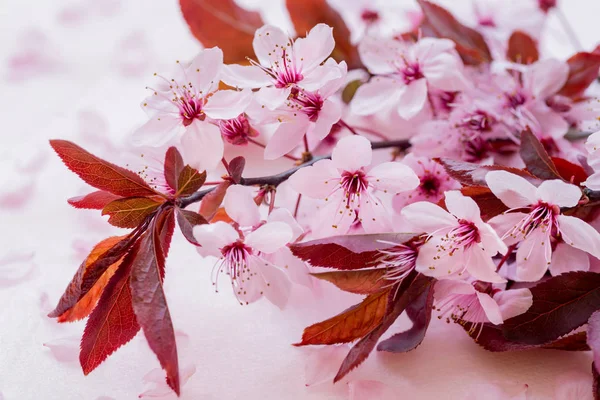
204,69
462,207
160,129
269,42
322,75
285,216
330,113
378,54
373,215
573,386
393,177
567,259
579,234
202,146
277,286
352,153
377,94
317,181
311,51
431,263
504,223
427,217
323,363
559,193
286,137
481,266
269,237
240,206
245,76
511,189
412,99
513,302
490,241
213,237
363,390
490,308
227,104
334,218
295,268
445,72
546,77
272,97
533,256
64,350
428,48
447,287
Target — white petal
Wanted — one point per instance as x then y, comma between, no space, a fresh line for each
227,104
412,99
285,216
559,193
481,266
295,268
240,206
270,237
333,219
245,76
202,146
546,77
330,113
317,181
462,207
322,75
205,68
393,177
511,189
567,259
212,237
379,54
534,256
375,95
311,51
373,215
513,302
157,131
277,286
269,42
272,97
352,153
428,217
490,308
447,287
579,234
286,137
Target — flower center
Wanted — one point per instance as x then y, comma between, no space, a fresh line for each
542,216
479,121
353,183
411,72
464,235
476,149
400,259
310,103
430,185
286,73
369,16
447,100
237,130
235,263
546,5
487,21
516,99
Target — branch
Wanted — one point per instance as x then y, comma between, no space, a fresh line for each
276,180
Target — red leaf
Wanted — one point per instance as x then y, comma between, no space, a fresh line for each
367,281
224,24
236,168
419,311
86,303
130,212
100,173
165,227
212,201
470,174
349,251
561,304
173,166
489,205
470,44
410,289
150,304
189,181
583,71
187,220
94,201
352,324
113,322
305,14
535,157
522,48
570,172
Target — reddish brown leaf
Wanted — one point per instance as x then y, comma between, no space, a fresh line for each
224,24
86,304
100,173
305,14
113,322
583,70
236,168
150,304
212,201
189,181
165,227
470,174
352,324
570,172
349,251
187,220
470,44
94,201
535,157
488,203
522,48
367,281
173,167
130,212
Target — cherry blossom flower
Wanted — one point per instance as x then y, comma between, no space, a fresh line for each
542,224
404,73
592,145
190,103
244,250
458,241
347,185
479,302
285,64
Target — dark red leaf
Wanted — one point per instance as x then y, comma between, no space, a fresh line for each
352,324
236,168
470,44
93,201
561,304
470,174
113,322
419,312
187,220
568,171
150,304
165,227
583,71
100,173
489,205
173,166
305,14
130,212
223,24
349,251
212,201
522,48
410,289
189,181
367,281
535,157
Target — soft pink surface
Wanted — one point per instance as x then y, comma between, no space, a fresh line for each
76,71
